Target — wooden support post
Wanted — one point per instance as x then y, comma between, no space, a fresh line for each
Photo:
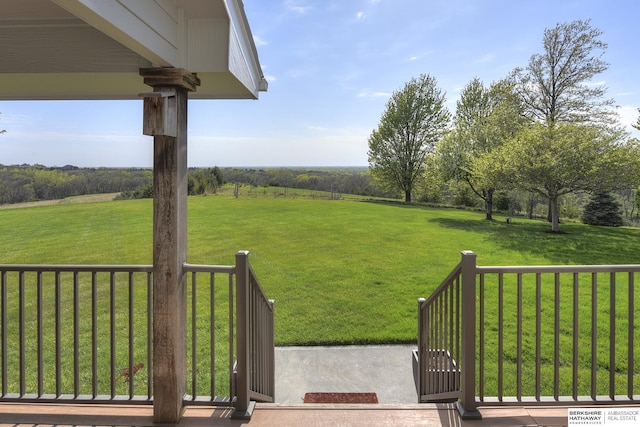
169,239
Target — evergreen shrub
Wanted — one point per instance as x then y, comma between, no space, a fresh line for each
602,209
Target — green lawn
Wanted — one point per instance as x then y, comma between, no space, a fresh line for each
341,272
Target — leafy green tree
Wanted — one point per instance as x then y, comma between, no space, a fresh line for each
556,86
485,118
602,209
429,189
415,119
557,89
203,181
637,124
565,158
281,177
636,199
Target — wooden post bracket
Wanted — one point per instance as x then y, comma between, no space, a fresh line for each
160,118
159,114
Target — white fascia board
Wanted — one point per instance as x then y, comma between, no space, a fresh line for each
221,86
220,47
144,27
243,60
239,67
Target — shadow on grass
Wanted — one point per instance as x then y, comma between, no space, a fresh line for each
576,244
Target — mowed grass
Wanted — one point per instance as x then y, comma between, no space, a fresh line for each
341,272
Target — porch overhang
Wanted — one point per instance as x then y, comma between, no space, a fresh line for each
117,49
90,49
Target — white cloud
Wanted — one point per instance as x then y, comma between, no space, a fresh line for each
295,7
600,83
258,41
628,116
368,93
18,120
485,58
361,15
302,10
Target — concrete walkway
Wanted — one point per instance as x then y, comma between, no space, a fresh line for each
383,369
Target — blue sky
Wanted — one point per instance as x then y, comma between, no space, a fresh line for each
331,66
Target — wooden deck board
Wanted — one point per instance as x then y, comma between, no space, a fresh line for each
267,415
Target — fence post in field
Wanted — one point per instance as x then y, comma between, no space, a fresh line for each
467,405
243,406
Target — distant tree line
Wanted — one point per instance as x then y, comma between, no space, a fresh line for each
199,181
357,181
27,183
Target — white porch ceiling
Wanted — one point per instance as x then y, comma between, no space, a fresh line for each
93,49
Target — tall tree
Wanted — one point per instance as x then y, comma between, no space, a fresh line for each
485,118
415,119
565,158
557,86
637,124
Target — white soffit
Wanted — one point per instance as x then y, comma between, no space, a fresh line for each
93,49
